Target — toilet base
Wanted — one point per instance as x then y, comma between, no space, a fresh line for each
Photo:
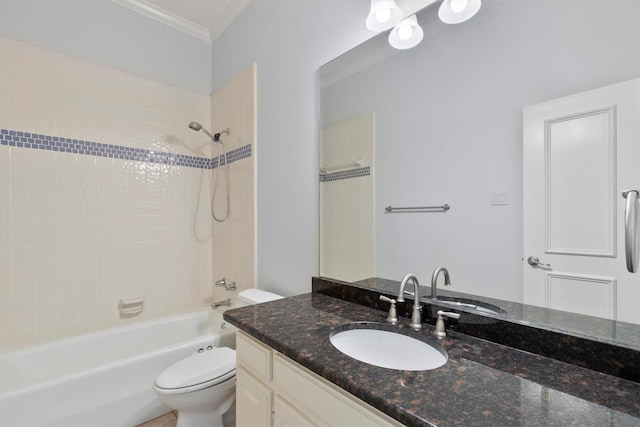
216,418
229,417
196,419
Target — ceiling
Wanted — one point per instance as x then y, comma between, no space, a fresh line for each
204,19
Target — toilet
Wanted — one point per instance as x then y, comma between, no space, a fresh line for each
202,386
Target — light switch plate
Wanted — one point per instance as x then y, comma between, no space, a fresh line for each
499,198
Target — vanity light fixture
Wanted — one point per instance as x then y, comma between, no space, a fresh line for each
457,11
383,14
406,34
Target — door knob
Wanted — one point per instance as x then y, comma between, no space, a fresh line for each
535,262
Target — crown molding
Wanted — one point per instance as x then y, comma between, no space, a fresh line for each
229,13
165,17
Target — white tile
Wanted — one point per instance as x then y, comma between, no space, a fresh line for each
82,231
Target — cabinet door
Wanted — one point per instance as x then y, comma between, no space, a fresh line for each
254,356
253,401
285,415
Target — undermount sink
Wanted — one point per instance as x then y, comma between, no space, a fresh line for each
388,349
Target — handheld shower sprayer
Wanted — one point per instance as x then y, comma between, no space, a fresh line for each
216,139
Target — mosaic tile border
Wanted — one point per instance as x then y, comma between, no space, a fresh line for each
36,141
345,174
234,155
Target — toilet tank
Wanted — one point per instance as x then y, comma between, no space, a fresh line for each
255,296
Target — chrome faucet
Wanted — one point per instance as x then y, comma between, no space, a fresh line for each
416,317
228,286
434,280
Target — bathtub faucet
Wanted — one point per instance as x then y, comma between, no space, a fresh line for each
226,302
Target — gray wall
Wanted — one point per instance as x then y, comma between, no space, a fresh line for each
289,40
449,128
105,33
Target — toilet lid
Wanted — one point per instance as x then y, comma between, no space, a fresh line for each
199,368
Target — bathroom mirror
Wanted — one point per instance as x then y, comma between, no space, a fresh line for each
442,124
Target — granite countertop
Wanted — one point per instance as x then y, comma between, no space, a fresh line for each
482,384
611,356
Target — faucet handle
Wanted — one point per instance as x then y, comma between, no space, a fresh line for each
440,331
393,314
228,286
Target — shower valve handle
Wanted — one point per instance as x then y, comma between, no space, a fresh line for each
228,286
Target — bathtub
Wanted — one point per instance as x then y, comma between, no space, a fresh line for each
103,378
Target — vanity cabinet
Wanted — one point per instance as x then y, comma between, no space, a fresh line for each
272,390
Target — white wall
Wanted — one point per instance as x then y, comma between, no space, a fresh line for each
106,33
289,40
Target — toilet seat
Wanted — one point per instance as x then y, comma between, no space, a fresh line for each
197,372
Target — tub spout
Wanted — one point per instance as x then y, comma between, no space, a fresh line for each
226,302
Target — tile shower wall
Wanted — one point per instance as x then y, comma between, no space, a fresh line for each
233,106
103,196
347,203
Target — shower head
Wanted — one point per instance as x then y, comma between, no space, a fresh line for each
215,138
197,126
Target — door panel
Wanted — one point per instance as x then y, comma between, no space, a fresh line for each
591,295
580,152
581,183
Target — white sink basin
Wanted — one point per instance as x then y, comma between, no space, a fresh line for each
388,349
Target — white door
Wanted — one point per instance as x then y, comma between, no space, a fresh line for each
580,152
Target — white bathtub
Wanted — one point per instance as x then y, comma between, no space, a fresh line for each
104,378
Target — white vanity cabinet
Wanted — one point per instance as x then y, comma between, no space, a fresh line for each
272,390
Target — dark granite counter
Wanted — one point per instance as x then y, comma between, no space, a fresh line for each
610,356
482,384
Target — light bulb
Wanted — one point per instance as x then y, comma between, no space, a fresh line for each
383,15
457,11
407,34
458,6
404,32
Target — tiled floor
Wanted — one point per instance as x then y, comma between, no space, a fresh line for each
166,420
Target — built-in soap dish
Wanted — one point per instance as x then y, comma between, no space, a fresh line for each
131,306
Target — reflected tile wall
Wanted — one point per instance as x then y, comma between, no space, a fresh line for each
119,212
347,215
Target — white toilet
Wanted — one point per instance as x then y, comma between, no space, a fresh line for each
202,386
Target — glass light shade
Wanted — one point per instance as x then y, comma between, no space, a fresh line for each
384,14
406,34
457,11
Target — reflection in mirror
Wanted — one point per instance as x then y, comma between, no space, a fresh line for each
442,123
